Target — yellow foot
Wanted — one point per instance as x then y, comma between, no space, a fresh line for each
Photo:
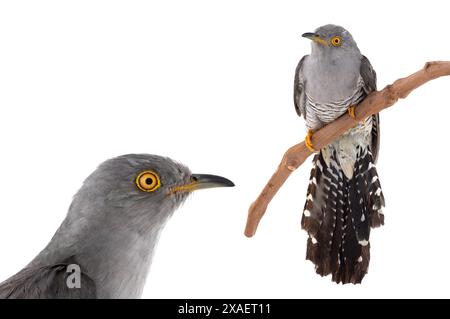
308,142
351,111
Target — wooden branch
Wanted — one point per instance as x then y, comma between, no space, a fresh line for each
373,103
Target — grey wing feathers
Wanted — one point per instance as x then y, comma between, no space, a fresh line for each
368,74
46,282
370,84
299,89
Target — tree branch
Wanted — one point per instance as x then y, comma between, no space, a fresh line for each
373,103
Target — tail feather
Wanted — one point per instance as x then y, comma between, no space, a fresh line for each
338,215
375,196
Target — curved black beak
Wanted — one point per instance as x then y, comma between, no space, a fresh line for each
201,181
310,35
210,181
314,37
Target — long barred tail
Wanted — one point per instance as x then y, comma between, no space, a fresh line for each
338,215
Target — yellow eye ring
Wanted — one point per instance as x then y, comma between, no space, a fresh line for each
148,181
336,41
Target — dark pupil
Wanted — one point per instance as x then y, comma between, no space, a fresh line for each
149,181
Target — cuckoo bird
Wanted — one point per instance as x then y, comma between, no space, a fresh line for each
110,231
344,198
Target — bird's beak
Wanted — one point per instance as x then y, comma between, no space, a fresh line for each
200,181
314,37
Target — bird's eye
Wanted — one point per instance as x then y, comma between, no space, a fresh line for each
336,41
148,181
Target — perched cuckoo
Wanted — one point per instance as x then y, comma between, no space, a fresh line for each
344,198
110,232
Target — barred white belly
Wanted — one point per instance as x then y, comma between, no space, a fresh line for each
320,113
346,146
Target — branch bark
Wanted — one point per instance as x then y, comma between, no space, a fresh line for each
373,103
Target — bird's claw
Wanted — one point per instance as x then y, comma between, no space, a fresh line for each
351,111
308,142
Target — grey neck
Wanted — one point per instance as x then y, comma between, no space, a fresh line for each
116,257
331,77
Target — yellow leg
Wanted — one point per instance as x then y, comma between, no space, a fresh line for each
308,142
351,111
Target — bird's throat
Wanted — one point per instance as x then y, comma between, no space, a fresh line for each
117,259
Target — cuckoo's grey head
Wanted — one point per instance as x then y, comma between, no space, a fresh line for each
137,190
332,40
115,220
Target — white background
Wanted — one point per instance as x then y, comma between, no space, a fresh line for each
209,83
